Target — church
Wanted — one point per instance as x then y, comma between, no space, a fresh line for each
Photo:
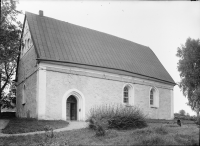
64,70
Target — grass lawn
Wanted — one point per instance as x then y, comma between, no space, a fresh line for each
20,125
154,134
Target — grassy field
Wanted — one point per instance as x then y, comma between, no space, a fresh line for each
20,125
154,134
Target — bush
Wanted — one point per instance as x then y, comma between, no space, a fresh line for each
185,117
100,130
116,117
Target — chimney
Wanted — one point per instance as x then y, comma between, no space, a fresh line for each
40,12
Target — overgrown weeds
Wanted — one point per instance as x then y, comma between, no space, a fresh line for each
116,116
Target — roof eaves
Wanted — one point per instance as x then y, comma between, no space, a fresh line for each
162,65
43,59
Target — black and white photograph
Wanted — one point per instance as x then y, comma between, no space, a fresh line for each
99,72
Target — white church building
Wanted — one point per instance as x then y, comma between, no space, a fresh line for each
64,70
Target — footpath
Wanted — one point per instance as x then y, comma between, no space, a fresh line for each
72,126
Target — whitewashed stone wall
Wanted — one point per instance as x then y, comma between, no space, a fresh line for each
102,88
27,76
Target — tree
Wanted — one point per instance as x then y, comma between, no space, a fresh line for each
187,114
10,31
182,112
9,100
189,68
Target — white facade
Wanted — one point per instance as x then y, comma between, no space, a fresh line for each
95,88
43,89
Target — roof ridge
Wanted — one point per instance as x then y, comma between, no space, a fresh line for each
92,30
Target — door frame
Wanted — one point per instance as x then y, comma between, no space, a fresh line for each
80,104
70,108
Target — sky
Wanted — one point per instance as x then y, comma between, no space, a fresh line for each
163,26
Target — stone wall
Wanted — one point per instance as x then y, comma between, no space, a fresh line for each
100,90
29,109
27,79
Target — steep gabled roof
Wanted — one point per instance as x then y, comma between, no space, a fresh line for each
61,41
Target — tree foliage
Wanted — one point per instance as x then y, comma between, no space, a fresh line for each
189,68
9,100
10,32
182,112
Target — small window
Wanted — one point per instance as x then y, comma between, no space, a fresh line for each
28,44
24,95
126,95
154,98
151,96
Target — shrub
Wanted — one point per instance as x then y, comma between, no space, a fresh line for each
185,117
100,131
93,124
117,116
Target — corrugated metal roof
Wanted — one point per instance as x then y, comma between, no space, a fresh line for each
62,41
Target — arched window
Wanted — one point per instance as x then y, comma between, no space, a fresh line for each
152,92
24,95
126,95
154,97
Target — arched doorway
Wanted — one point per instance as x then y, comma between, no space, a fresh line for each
74,96
71,111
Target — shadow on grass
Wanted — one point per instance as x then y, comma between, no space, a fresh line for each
7,115
24,125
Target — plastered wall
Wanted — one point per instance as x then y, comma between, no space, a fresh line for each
27,79
97,90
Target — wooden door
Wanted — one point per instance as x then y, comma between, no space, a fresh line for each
71,108
73,111
68,111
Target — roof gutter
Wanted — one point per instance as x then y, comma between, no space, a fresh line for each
43,59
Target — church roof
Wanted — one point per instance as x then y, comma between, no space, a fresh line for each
61,41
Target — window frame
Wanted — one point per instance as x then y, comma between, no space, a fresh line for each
154,97
24,95
128,95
